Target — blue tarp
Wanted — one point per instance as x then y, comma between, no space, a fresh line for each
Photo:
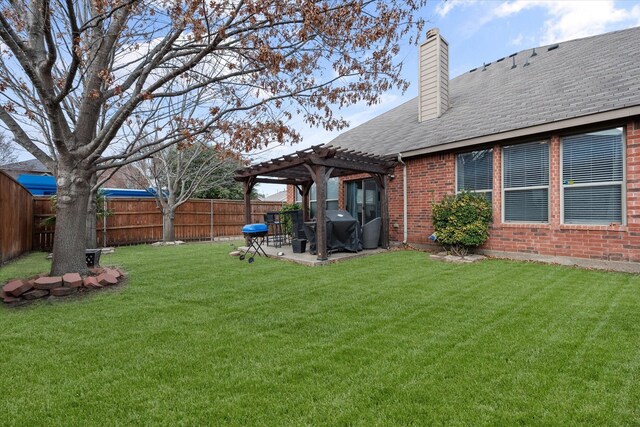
40,185
125,192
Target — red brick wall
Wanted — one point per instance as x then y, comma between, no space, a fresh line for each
291,194
431,177
428,180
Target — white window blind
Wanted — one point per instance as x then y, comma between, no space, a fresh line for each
593,177
474,172
332,193
332,196
526,182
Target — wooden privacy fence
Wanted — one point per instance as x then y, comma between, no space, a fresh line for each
137,220
16,218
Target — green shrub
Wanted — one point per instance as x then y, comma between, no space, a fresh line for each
462,221
101,211
287,224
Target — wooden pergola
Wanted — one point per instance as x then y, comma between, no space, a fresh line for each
316,165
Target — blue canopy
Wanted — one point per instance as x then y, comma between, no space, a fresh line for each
40,185
126,192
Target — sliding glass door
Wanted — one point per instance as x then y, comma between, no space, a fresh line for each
363,200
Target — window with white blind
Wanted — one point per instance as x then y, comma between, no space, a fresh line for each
525,182
593,177
331,194
474,172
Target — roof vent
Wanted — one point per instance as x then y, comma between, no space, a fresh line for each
534,53
484,67
501,59
514,62
552,47
513,54
526,62
472,70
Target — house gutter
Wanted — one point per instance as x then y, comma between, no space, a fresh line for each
405,230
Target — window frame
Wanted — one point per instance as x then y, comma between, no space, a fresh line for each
503,189
623,183
491,190
361,216
315,200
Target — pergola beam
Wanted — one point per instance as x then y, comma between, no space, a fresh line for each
316,165
344,162
347,164
287,181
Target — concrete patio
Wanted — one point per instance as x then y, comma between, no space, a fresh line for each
312,260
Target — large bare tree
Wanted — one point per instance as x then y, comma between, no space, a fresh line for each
78,78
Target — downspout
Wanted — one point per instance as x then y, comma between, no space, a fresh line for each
405,230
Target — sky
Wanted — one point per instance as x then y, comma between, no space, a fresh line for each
477,32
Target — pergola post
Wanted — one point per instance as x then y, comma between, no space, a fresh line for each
315,165
321,210
383,184
320,176
305,200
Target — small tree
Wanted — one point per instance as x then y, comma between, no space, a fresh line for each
287,223
221,184
177,173
7,151
100,212
462,221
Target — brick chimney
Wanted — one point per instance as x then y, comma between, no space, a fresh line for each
433,93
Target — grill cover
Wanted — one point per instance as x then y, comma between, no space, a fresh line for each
343,233
254,228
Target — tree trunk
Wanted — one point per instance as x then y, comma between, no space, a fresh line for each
92,211
168,231
71,227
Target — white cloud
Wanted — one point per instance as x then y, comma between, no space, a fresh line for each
635,14
445,6
513,7
568,20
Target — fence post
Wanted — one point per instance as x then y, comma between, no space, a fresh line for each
104,223
211,217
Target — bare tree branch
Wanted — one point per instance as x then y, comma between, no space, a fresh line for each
102,84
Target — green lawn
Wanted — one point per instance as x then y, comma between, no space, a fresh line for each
197,337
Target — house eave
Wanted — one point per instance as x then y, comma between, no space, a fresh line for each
528,131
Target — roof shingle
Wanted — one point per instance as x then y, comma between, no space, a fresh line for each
579,78
33,165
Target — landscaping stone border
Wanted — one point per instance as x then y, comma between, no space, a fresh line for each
445,256
18,292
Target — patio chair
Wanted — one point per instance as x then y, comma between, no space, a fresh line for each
274,235
371,233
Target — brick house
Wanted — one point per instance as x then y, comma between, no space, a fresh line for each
550,135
